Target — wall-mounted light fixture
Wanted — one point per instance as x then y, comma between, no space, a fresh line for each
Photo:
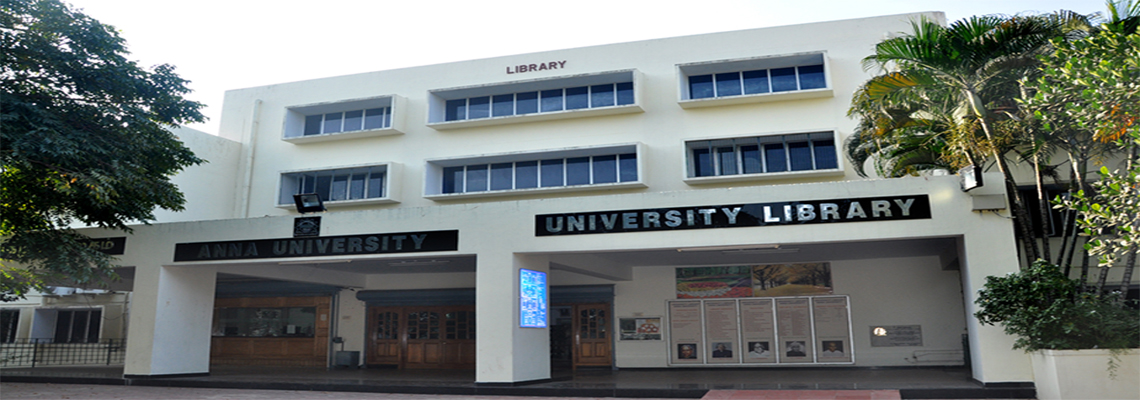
308,202
971,177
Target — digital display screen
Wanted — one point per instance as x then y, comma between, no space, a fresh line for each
532,299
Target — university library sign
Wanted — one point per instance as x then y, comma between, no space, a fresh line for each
375,243
892,208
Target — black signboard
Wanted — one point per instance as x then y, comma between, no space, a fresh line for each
114,246
891,208
375,243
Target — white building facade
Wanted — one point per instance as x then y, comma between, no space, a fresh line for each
680,203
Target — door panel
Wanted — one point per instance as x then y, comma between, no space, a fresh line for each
592,335
385,333
423,337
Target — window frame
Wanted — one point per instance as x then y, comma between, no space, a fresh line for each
293,128
391,196
715,143
89,328
436,170
740,66
438,99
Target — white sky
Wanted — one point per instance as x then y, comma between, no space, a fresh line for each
229,44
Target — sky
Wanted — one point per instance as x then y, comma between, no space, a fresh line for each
221,45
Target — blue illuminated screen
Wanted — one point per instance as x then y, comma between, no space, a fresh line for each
532,299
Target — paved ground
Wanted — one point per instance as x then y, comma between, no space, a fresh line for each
42,391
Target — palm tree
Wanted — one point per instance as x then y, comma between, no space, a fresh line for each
948,94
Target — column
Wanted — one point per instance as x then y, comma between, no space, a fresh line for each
171,316
989,250
506,353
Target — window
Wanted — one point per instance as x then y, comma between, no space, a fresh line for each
265,322
9,321
544,101
595,94
77,326
554,170
763,154
761,79
756,81
342,120
337,185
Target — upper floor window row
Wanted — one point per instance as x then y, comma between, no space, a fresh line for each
756,81
374,116
348,121
763,154
333,185
556,172
551,100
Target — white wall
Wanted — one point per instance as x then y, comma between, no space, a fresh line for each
209,188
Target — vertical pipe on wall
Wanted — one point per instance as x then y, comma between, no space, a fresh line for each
247,181
334,331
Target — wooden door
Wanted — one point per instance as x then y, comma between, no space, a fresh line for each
424,339
386,336
592,335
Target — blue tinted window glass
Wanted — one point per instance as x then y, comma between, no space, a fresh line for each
703,162
700,86
456,110
605,169
339,189
624,93
627,167
310,184
526,175
526,103
756,81
476,178
501,176
784,79
726,157
504,105
552,173
578,171
750,159
551,100
577,97
324,182
313,125
775,159
825,154
375,185
374,118
601,96
353,120
356,185
387,116
811,77
478,107
332,122
453,180
728,84
800,153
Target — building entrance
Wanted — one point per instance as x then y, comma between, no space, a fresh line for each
581,336
424,337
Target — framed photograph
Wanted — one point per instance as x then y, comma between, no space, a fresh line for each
640,328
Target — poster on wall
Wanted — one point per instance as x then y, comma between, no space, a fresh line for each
793,319
758,331
768,280
832,329
721,331
532,299
685,339
640,328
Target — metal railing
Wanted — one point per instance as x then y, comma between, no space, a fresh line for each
40,352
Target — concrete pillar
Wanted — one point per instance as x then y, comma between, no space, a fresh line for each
506,353
993,359
171,316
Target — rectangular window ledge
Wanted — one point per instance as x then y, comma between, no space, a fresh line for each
608,93
555,171
754,80
342,186
762,158
351,119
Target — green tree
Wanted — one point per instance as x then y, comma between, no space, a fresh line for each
947,96
83,140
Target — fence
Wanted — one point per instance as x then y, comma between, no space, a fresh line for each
40,352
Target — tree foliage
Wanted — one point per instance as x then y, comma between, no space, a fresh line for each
83,139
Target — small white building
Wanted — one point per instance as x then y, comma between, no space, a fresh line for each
670,203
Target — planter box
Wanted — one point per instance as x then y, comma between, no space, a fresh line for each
1083,374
